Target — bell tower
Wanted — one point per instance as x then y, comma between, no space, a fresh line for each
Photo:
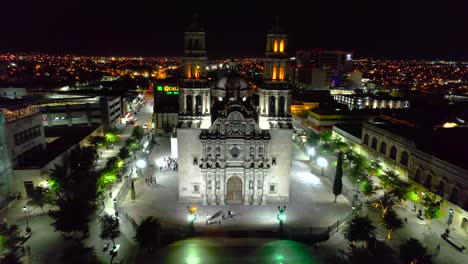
194,96
194,51
275,94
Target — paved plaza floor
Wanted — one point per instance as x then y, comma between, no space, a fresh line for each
311,200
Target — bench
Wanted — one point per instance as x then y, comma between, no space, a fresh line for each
452,242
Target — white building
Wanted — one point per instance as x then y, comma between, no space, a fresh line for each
230,151
13,92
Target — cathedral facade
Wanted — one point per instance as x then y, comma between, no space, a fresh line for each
230,149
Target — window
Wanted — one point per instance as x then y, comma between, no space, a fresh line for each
273,161
417,176
272,188
251,184
218,151
428,182
208,151
374,143
404,158
393,153
366,139
454,196
441,189
383,148
260,151
195,161
252,151
196,188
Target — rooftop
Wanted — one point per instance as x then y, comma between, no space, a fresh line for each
353,129
66,138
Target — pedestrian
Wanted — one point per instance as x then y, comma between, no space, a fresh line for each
438,249
146,180
406,220
232,214
229,213
28,248
206,224
223,216
219,222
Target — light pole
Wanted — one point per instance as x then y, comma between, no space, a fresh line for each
311,152
25,210
449,221
192,217
141,164
322,162
281,217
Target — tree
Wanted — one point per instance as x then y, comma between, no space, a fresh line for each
9,236
96,141
112,164
39,197
72,215
109,227
105,179
313,138
391,222
138,133
132,191
412,251
148,233
385,203
359,229
432,206
337,183
395,185
78,253
124,153
374,168
11,258
368,188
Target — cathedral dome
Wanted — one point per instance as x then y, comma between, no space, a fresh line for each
232,87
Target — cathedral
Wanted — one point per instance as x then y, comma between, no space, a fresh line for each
232,148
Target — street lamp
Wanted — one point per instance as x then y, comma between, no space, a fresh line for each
322,162
281,217
141,164
311,153
25,210
192,217
449,221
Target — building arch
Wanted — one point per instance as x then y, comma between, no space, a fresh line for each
374,143
464,224
383,148
417,175
428,181
404,158
454,195
366,139
441,188
234,188
393,153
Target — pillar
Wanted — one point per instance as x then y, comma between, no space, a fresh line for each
267,108
264,187
255,192
223,188
286,105
276,104
194,100
246,189
182,102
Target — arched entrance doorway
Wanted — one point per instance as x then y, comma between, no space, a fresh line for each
234,190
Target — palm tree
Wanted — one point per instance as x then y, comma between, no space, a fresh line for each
412,251
391,222
368,188
359,229
148,233
39,197
109,227
385,203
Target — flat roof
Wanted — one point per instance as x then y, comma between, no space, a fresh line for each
353,129
66,138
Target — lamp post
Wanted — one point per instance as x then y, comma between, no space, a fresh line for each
141,164
449,221
192,217
25,210
311,152
322,162
281,217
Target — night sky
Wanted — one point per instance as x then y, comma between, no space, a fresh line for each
381,29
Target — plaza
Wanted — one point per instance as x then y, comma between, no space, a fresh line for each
310,202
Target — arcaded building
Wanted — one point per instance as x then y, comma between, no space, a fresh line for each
229,149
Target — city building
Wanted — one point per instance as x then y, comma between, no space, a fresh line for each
72,110
166,105
13,92
230,150
434,158
321,69
370,101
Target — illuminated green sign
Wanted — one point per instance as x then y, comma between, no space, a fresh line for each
168,89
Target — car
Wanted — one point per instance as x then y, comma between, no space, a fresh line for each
145,125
